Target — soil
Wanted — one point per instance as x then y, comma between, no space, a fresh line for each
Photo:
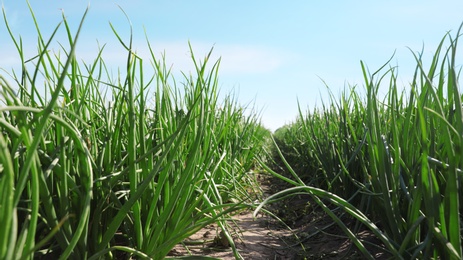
307,233
254,239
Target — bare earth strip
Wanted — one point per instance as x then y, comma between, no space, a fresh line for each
254,239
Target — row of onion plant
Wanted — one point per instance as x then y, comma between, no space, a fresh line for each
99,167
393,162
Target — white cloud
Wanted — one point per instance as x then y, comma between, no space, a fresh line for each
235,58
251,59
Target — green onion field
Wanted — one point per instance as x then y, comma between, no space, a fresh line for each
100,167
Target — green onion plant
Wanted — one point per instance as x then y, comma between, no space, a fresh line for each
393,163
110,168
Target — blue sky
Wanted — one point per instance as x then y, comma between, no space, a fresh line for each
274,53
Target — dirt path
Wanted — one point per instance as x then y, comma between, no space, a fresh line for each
266,238
254,239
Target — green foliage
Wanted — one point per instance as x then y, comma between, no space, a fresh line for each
395,160
97,169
